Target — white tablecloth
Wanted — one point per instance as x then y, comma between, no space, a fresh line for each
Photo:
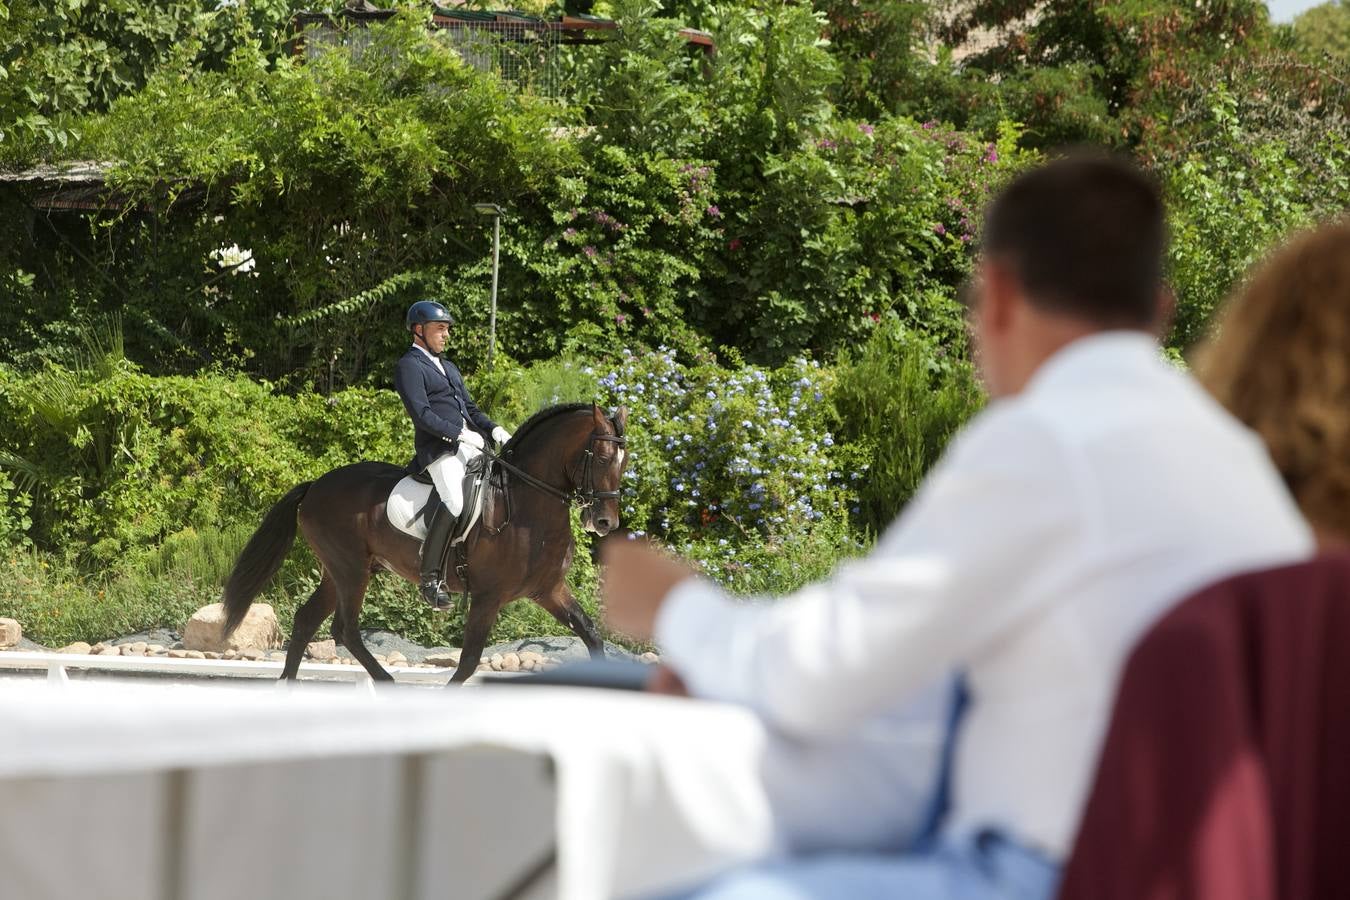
193,793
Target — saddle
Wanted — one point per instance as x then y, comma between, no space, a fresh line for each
414,499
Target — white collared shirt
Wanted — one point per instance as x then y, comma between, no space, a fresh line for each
1057,527
433,357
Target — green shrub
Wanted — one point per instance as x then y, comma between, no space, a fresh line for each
900,399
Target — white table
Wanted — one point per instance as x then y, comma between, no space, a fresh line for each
184,792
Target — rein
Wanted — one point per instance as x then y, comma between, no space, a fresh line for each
584,494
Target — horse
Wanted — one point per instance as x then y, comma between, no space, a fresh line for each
570,453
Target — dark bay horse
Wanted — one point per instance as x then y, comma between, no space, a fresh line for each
564,454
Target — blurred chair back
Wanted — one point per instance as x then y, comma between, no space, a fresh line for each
1225,774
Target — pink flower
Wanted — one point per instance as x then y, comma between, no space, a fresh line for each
620,318
939,228
713,211
865,128
589,251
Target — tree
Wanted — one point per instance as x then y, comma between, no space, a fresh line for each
1324,31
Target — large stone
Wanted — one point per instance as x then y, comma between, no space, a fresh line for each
79,647
445,660
321,651
258,631
10,632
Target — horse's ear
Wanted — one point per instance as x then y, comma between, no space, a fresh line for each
620,420
598,418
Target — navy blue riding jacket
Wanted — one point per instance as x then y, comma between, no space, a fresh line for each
440,406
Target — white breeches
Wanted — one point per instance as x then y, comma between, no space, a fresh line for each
447,473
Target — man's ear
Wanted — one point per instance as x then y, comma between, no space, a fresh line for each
1002,292
1166,313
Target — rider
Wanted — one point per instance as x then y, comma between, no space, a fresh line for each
450,431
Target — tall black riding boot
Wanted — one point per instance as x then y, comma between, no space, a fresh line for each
433,554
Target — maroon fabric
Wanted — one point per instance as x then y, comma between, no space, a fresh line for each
1225,774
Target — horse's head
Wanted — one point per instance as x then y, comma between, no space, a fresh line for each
600,477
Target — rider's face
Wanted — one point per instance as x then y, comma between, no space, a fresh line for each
434,335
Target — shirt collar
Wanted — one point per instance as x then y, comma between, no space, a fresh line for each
433,357
1103,349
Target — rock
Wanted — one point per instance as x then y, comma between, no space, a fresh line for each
444,660
495,662
207,654
130,650
510,662
321,651
259,629
178,654
397,659
568,649
77,647
194,654
108,650
230,654
155,649
10,632
277,655
650,657
530,656
162,636
251,653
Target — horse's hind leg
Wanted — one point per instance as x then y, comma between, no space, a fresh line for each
308,618
564,607
350,593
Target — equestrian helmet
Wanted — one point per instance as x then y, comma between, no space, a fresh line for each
425,311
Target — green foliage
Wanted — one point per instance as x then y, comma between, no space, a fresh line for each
1241,194
738,455
60,58
1324,31
900,399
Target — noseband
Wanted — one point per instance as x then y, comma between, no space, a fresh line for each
586,495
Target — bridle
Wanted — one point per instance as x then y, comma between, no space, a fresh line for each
584,494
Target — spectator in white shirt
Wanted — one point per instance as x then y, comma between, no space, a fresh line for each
1100,486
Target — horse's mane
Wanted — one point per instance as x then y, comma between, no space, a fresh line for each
523,432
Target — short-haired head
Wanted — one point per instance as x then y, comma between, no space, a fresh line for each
1085,237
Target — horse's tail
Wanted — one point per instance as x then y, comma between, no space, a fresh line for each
262,557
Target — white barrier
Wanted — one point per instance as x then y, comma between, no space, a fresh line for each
202,791
57,664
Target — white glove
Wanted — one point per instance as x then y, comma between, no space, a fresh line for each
472,438
501,435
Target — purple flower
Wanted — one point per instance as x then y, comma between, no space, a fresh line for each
992,155
939,228
620,318
929,126
589,251
714,211
865,128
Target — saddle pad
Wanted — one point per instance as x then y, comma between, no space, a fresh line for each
409,498
404,505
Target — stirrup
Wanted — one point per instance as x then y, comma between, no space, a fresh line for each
433,591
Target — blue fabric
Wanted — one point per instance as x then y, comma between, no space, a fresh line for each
930,829
439,404
984,866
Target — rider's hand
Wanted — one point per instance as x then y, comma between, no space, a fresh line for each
501,435
472,438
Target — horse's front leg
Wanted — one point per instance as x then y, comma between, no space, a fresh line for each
564,607
483,610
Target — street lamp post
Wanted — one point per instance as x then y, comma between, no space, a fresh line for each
492,209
